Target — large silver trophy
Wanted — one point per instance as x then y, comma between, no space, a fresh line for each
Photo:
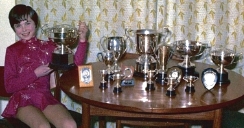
188,49
146,43
222,57
118,45
64,36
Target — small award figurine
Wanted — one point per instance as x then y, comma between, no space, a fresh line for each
103,83
118,77
171,90
190,86
150,82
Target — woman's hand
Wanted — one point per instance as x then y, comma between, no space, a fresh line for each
82,31
42,70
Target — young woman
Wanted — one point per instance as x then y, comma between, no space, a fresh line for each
27,75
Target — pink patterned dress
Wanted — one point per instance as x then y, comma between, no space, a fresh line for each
22,58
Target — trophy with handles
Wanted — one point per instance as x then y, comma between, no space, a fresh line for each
64,36
117,44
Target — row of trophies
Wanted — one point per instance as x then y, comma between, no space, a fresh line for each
151,64
154,56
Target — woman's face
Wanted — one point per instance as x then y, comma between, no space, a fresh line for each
26,29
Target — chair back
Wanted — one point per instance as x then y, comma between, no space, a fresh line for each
3,92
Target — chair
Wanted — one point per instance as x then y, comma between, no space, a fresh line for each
15,123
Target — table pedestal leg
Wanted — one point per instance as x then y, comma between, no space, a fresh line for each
102,122
85,115
217,118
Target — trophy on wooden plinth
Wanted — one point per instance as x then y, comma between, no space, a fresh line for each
64,36
222,57
188,49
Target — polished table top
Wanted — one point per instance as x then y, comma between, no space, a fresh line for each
137,99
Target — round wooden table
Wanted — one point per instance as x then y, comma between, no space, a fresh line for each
135,101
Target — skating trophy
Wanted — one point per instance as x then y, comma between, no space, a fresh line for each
190,86
117,44
222,57
150,74
103,83
146,45
163,55
188,49
64,36
108,58
118,77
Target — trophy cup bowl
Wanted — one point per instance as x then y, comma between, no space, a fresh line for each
63,35
117,44
187,49
222,57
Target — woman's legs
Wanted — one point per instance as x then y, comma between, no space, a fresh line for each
59,116
33,117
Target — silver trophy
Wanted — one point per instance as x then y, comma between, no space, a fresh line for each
147,41
163,55
64,36
188,49
119,76
117,44
103,83
150,74
190,86
108,58
222,57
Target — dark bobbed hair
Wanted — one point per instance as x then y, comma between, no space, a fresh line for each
20,13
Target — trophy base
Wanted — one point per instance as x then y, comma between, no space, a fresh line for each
150,87
190,89
139,68
223,78
189,71
160,78
61,67
170,93
62,61
117,90
103,85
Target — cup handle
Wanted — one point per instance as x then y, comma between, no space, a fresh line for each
130,72
102,40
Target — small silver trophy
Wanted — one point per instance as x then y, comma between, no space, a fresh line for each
163,55
150,79
103,83
118,45
190,86
119,76
108,58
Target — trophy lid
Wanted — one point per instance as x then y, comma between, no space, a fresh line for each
146,31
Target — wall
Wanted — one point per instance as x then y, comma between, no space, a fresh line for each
7,35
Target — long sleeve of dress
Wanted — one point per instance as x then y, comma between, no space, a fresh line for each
14,80
80,54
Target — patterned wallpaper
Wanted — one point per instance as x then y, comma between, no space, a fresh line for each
216,22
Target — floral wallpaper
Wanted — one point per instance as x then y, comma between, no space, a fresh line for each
215,22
